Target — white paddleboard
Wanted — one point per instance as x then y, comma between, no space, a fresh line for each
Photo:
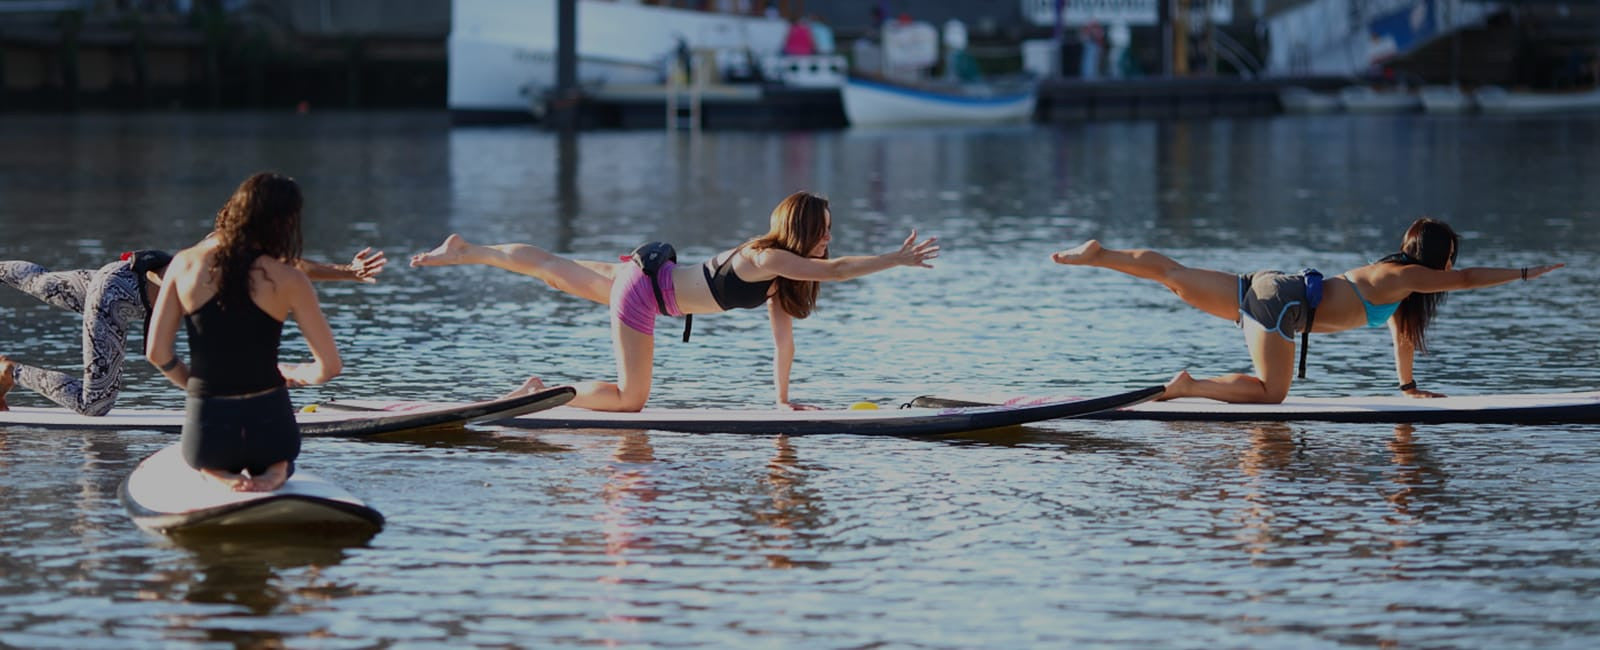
1530,408
165,495
892,422
375,417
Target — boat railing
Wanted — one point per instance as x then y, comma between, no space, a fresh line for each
1237,55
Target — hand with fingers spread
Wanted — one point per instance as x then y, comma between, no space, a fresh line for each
915,253
367,264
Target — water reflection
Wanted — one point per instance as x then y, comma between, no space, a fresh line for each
628,494
258,575
794,513
512,441
1419,484
569,200
1271,448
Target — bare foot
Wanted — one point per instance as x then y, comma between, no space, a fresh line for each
270,480
452,251
1081,254
7,380
235,482
529,387
1178,386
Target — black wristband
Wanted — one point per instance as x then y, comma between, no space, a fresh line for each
1408,386
168,366
1524,274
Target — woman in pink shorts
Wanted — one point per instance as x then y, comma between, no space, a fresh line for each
780,270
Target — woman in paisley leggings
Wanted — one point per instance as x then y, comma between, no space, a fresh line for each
112,299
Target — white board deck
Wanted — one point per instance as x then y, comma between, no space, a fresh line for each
164,494
1528,408
376,416
886,421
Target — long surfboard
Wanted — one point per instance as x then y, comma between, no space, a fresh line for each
379,416
163,494
890,422
1530,408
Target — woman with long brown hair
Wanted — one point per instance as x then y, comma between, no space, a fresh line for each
232,292
1401,291
780,270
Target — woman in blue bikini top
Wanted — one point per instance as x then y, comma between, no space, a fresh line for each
1402,291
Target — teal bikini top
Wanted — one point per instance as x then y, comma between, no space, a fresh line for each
1377,315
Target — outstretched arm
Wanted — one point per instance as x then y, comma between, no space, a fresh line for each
783,354
789,265
364,267
1426,280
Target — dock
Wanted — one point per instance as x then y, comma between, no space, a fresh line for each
756,106
1073,100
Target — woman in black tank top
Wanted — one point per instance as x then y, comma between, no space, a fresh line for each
232,292
780,270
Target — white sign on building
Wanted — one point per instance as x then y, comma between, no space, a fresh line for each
1108,12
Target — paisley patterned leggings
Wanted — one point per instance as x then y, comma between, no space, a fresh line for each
109,300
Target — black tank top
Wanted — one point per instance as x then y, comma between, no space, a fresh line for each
729,290
232,351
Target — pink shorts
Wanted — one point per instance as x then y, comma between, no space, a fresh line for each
633,301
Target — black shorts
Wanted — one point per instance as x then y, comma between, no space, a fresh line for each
1274,300
235,434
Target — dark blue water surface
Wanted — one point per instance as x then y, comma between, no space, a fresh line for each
1055,535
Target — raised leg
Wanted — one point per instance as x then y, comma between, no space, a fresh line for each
583,279
64,289
1213,292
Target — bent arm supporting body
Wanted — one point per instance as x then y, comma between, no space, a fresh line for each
307,312
160,346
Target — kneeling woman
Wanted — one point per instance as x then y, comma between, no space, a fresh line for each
1401,291
780,269
233,292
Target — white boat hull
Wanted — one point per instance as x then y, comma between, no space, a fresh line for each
1499,100
871,103
1361,99
1446,99
1296,99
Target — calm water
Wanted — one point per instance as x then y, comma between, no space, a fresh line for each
1061,534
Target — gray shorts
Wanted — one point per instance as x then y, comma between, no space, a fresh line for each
1274,300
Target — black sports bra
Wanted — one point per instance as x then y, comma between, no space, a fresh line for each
729,290
232,351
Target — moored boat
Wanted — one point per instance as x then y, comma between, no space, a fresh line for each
875,102
1446,99
1299,99
1494,99
502,53
1365,99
